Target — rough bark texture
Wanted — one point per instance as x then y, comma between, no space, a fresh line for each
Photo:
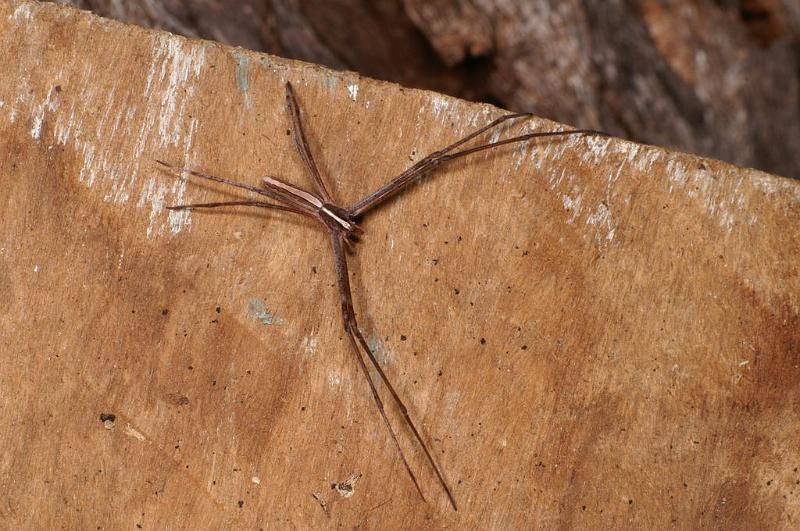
720,78
592,334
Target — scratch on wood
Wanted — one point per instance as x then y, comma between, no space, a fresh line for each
130,431
769,185
310,344
573,205
596,149
644,162
719,191
602,221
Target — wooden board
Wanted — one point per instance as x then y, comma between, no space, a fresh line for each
590,333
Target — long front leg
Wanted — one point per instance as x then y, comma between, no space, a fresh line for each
301,143
427,164
357,339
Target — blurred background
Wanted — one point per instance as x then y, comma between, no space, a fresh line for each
714,77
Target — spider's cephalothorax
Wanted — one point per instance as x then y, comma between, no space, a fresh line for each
339,219
335,218
342,229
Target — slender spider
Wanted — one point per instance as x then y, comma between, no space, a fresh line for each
341,225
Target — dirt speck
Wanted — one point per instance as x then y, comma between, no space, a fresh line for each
108,420
322,503
177,399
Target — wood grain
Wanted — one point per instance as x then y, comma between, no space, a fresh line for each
591,333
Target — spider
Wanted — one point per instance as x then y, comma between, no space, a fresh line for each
341,224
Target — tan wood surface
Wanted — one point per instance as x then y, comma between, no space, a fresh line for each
589,332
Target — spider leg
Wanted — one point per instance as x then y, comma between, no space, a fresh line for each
490,125
517,139
403,411
418,167
301,143
209,177
262,204
436,158
378,402
352,332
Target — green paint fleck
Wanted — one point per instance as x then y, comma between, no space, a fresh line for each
382,354
243,76
373,343
259,310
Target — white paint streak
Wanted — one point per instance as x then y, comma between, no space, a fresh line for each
352,88
596,148
87,174
62,130
770,185
36,130
722,194
573,205
172,69
133,124
152,193
439,104
161,122
602,221
331,82
38,113
180,218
